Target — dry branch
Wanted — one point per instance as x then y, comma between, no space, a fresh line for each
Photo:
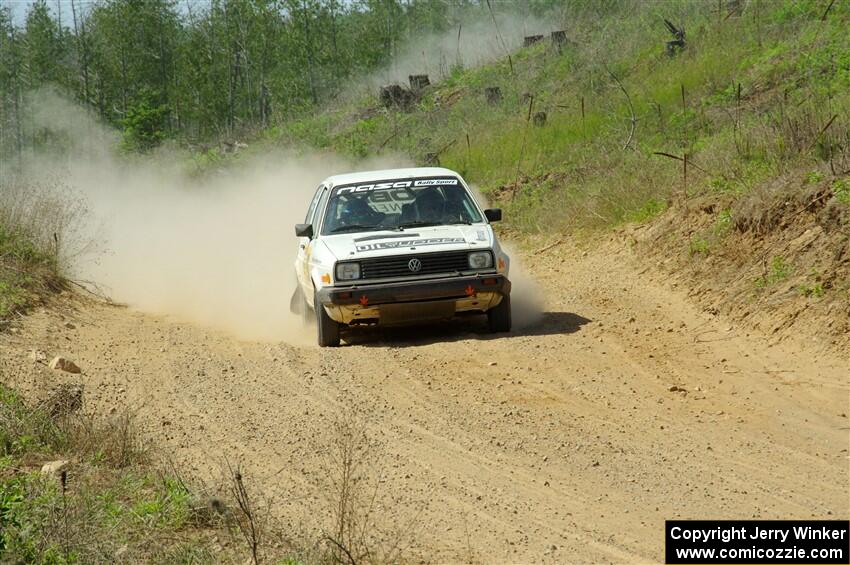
631,108
548,247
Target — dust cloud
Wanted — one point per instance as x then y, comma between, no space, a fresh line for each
215,249
526,304
472,42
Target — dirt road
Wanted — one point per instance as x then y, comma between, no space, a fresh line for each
563,442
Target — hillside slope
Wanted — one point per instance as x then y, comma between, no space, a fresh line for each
744,135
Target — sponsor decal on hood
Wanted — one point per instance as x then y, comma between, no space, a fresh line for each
409,243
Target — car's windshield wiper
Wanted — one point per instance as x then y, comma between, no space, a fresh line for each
417,224
355,227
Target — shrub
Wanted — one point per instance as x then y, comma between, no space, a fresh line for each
841,190
146,123
41,230
779,271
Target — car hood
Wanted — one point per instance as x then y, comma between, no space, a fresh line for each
410,241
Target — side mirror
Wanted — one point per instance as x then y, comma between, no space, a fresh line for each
493,214
304,230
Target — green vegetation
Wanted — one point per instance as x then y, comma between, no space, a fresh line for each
207,69
112,504
107,503
27,269
145,124
814,287
779,271
698,246
815,290
841,190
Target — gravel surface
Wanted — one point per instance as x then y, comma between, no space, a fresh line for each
569,440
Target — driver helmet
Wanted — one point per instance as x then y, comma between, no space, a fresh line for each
430,205
355,211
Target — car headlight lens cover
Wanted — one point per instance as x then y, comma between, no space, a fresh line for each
347,271
480,260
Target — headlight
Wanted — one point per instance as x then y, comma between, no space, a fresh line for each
347,271
480,260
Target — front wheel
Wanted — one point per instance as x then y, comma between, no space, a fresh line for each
327,329
499,318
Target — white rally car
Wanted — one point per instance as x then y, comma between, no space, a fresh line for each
398,245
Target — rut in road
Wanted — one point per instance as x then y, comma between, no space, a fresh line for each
570,440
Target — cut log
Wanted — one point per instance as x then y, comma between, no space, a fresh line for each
531,40
418,82
540,119
395,95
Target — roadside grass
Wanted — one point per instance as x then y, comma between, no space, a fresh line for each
25,270
40,231
109,505
813,290
116,501
841,190
778,271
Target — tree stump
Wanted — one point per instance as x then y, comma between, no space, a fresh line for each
418,82
525,98
432,159
539,119
493,94
395,95
531,40
559,39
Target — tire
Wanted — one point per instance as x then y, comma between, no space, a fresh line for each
499,318
327,330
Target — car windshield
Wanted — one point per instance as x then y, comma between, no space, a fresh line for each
399,204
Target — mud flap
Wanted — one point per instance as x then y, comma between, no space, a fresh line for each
296,303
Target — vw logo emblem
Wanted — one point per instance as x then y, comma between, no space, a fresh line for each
414,265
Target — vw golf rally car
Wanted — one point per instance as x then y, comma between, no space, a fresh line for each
398,245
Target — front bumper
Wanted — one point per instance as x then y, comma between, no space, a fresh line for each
454,288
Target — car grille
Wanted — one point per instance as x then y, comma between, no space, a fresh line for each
432,264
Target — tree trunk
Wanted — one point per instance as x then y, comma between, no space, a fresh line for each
309,44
